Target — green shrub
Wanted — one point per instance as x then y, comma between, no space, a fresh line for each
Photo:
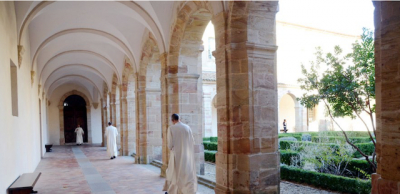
367,148
334,139
352,166
209,156
348,133
286,145
297,136
214,139
211,146
327,181
286,156
206,138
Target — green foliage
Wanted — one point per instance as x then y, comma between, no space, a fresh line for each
346,89
360,164
334,139
286,156
355,167
366,148
211,146
287,145
347,86
340,133
214,139
295,135
327,181
209,156
206,138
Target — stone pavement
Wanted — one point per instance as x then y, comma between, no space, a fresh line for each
87,169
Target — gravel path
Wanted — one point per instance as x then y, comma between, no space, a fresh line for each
286,187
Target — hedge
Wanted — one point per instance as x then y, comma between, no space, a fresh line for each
352,166
348,133
334,139
214,139
285,145
212,146
297,136
367,148
209,156
206,138
326,181
286,156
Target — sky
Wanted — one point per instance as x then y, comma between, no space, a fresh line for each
343,16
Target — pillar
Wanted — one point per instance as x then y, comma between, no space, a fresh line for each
387,69
164,113
247,160
142,148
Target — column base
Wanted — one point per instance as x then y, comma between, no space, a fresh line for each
383,186
164,170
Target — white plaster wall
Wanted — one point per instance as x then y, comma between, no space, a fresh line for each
210,121
54,121
20,136
297,46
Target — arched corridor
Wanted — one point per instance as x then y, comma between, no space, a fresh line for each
134,63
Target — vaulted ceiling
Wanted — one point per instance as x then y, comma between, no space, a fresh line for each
86,43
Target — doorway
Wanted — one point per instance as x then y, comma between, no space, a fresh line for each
74,114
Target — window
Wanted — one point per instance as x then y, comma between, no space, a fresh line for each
211,47
14,89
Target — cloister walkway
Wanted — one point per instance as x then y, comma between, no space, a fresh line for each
87,169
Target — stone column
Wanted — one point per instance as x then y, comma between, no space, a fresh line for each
248,157
298,117
141,149
164,112
124,126
387,60
103,122
89,123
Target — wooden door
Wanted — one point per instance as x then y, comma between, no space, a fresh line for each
74,114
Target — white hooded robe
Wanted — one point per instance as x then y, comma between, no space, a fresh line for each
111,134
79,138
181,175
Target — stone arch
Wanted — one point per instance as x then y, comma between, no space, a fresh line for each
183,74
128,109
152,24
287,107
97,72
105,59
106,35
149,147
61,114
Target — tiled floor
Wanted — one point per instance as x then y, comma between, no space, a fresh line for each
87,169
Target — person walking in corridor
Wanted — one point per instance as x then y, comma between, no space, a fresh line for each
181,173
79,135
111,134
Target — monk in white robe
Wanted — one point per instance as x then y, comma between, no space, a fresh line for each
111,134
181,175
79,135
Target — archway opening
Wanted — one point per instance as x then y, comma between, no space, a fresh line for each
287,111
74,114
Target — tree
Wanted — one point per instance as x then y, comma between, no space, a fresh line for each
347,87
